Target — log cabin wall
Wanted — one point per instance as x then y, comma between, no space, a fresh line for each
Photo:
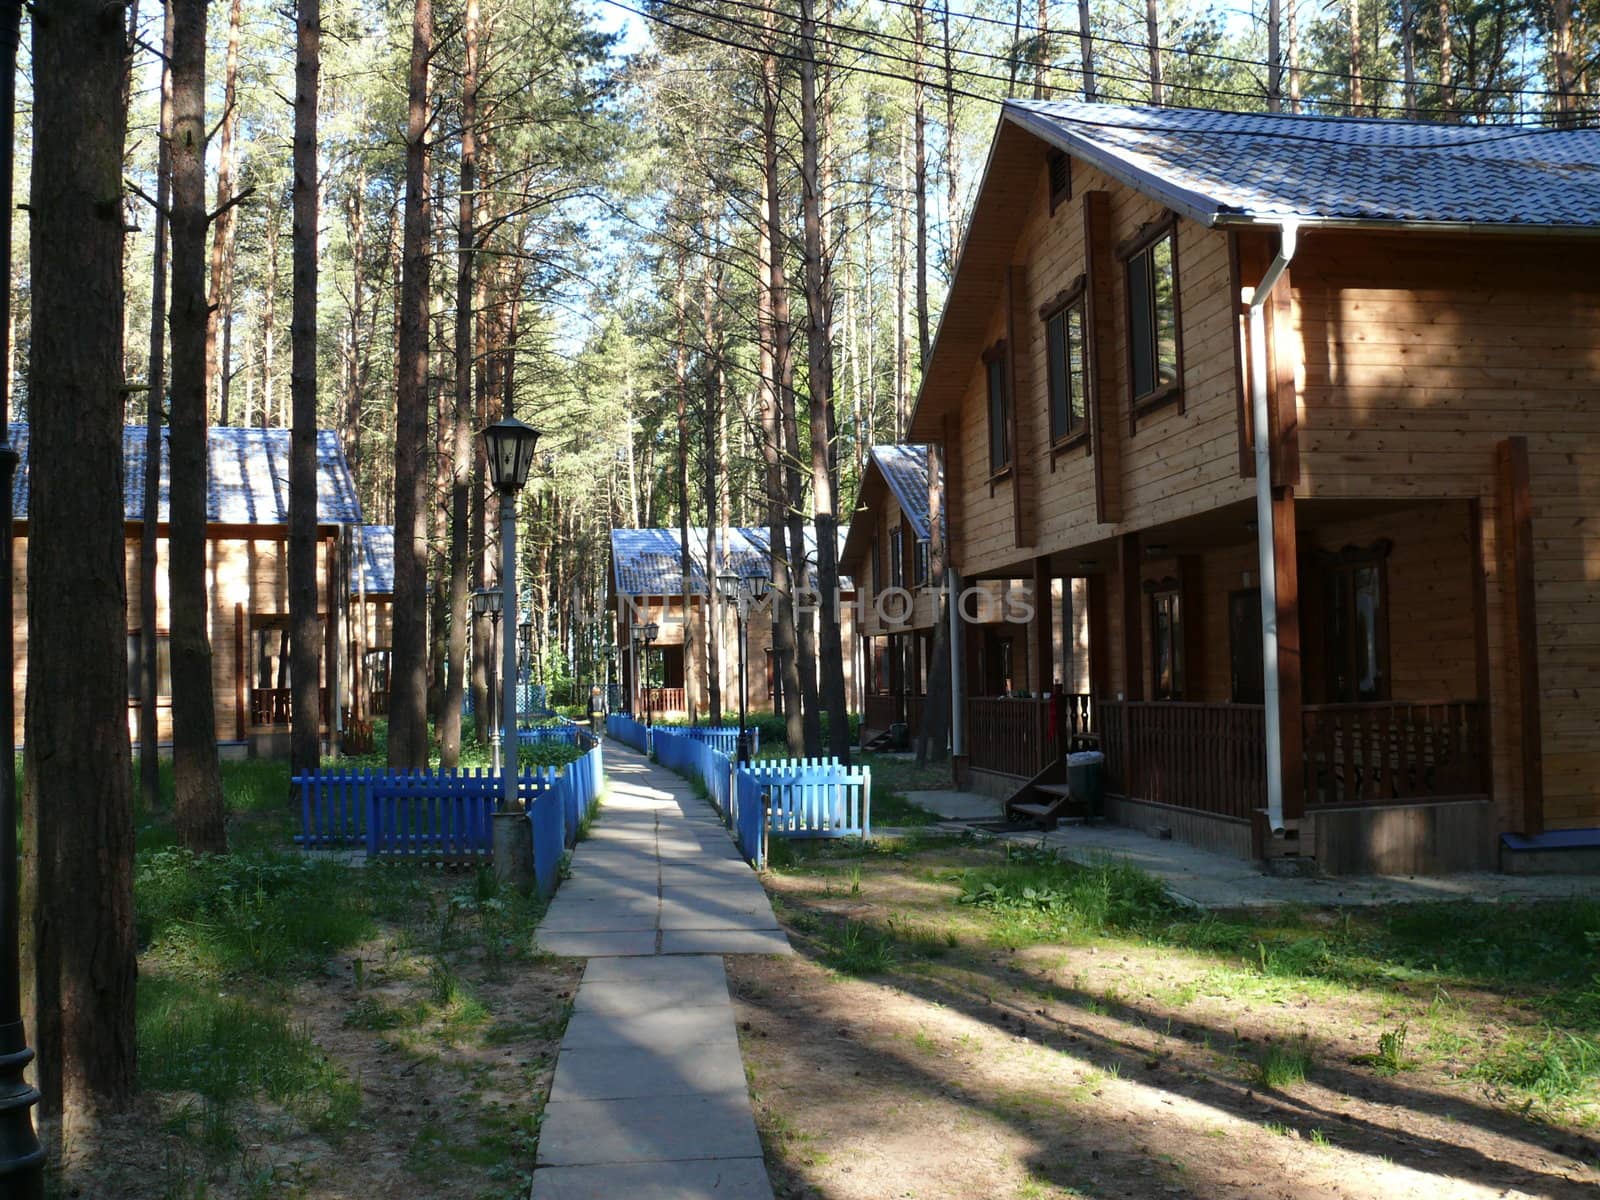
1420,355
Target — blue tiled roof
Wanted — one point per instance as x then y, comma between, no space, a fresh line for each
648,562
1269,167
905,469
247,480
375,554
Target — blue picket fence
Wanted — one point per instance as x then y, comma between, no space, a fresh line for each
723,738
629,732
445,816
815,798
690,756
565,734
557,814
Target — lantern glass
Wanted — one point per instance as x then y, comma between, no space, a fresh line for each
650,631
510,445
486,601
728,585
760,585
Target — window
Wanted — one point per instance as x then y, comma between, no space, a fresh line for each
897,559
880,666
1060,179
135,666
1355,593
920,578
1244,646
1155,348
999,410
877,564
1166,641
997,666
1068,367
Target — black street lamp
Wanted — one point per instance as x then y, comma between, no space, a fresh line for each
486,602
21,1156
510,446
647,633
744,594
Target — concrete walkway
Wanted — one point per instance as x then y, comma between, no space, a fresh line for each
649,1099
1206,879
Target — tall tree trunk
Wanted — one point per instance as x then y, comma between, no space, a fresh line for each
1353,11
461,465
155,406
360,346
819,345
1041,50
197,780
1274,56
269,304
920,127
780,350
222,232
1562,71
1086,52
305,646
1152,26
78,945
952,153
1408,56
1292,36
902,327
710,423
408,696
482,501
680,375
1447,66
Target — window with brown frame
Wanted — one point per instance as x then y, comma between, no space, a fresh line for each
919,576
1067,359
897,558
1060,179
136,665
1155,338
1356,624
877,564
994,363
1166,641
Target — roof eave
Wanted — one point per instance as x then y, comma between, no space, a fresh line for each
1276,221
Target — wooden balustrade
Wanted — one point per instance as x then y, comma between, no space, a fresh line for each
275,706
665,700
1018,737
1378,753
881,712
1207,757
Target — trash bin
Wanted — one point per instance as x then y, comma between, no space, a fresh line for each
900,735
1086,775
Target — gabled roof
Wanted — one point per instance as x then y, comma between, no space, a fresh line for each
905,470
247,477
374,560
647,562
1223,167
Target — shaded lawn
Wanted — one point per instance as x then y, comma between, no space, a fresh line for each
1396,1036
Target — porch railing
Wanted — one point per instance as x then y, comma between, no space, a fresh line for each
665,700
1016,736
1378,753
881,711
1207,757
275,706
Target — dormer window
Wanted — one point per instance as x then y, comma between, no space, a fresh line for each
1060,179
994,369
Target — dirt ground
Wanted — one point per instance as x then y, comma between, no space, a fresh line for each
967,1069
453,1055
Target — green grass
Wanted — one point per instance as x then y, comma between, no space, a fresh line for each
1558,1066
1284,1066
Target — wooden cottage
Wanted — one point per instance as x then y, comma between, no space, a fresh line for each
1308,406
888,554
647,584
247,541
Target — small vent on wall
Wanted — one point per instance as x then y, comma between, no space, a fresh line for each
1060,179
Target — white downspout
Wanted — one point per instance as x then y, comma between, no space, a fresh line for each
1264,538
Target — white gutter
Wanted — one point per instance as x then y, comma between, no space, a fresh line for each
1264,535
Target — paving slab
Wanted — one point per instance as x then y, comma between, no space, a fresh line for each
608,970
598,944
725,941
620,1074
648,1129
665,1028
722,1179
631,997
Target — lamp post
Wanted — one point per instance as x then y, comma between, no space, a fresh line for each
21,1156
486,602
743,594
510,446
648,632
